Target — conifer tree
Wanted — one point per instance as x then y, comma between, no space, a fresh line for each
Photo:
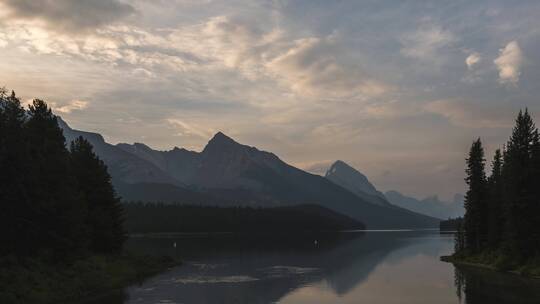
105,213
495,203
475,200
535,184
520,188
60,210
15,211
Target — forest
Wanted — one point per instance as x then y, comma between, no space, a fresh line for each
61,221
501,227
155,217
56,201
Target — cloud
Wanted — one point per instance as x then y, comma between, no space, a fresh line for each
184,129
469,115
311,68
426,42
509,63
472,60
74,105
68,15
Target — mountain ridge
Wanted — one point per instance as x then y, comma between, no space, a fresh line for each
430,205
234,173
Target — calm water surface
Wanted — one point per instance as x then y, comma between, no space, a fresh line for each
372,267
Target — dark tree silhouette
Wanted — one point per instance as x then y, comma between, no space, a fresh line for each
105,213
59,209
15,214
495,204
511,203
520,187
475,199
53,202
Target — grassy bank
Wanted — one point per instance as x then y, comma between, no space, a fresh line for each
497,262
36,281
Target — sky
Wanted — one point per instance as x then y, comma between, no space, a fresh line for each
397,89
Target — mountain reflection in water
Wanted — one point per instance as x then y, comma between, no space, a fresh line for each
372,267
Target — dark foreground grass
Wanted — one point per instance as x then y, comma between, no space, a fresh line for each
36,281
498,262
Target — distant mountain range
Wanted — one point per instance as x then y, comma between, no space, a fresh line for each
351,179
431,206
228,173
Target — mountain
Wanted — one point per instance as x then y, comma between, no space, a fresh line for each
431,206
227,172
351,179
123,166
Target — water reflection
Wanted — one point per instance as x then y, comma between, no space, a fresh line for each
382,267
479,286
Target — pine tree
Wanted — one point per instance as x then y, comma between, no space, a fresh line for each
475,200
60,210
535,183
520,188
105,212
495,203
15,210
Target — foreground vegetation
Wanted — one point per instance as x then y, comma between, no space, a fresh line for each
501,227
33,280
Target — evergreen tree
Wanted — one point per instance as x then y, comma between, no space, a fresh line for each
15,210
520,188
475,200
495,204
105,212
60,210
535,184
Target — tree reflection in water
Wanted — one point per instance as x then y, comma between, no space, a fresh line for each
480,286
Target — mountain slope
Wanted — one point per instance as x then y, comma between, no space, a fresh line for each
236,174
232,171
351,179
123,166
431,206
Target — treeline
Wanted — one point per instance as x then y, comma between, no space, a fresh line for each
451,224
54,201
152,218
503,209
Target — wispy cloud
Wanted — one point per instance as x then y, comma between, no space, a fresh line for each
66,15
426,42
74,105
469,115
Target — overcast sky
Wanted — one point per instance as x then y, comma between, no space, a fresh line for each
398,89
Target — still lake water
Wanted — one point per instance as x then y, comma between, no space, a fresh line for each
356,267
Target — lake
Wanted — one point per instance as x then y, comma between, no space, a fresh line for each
351,267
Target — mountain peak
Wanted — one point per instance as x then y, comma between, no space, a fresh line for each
353,180
340,165
221,136
220,141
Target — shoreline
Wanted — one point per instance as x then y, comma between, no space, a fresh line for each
460,262
34,280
